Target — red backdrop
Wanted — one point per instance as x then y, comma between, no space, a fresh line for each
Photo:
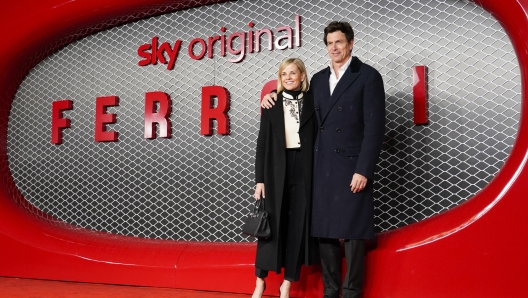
472,250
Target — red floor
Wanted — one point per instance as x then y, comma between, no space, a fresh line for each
32,288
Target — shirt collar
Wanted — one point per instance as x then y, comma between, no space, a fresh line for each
342,68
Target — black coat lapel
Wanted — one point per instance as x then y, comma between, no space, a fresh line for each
322,93
326,84
276,115
350,75
307,110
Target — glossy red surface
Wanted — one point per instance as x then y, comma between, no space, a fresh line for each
474,250
420,95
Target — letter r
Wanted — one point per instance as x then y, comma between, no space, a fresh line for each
219,113
161,117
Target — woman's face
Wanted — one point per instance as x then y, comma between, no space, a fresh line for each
291,77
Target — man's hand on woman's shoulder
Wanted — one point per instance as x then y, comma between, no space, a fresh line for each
269,100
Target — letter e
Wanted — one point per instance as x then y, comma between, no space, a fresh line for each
102,118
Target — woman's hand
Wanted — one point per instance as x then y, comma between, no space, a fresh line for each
259,191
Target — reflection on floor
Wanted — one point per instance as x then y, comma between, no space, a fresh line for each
26,288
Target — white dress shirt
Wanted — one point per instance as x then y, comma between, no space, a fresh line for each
333,79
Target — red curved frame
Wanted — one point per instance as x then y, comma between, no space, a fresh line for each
476,249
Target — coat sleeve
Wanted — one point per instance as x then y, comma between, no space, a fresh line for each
260,157
374,125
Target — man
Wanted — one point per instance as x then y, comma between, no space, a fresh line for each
350,106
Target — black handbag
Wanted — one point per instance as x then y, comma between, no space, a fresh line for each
256,223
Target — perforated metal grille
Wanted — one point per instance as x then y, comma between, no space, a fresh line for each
194,187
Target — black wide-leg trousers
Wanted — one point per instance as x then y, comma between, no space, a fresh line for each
330,252
293,218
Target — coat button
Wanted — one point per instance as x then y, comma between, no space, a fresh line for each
322,128
316,148
336,151
339,109
338,130
317,108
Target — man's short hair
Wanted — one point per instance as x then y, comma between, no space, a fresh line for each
339,26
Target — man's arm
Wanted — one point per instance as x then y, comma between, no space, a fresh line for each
374,121
269,100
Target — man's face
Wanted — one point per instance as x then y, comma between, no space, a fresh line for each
338,47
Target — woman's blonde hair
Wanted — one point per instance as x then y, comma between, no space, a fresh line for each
300,65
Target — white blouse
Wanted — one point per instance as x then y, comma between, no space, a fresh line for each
292,115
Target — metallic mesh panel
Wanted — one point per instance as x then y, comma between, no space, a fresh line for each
194,187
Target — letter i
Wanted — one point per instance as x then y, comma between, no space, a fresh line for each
223,43
250,33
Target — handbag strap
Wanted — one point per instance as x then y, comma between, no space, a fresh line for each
263,201
259,205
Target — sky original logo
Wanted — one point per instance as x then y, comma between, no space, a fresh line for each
167,53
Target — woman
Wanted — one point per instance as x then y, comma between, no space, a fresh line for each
283,172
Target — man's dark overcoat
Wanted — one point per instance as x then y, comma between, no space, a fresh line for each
351,133
270,169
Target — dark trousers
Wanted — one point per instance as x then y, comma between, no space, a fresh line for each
330,251
293,218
